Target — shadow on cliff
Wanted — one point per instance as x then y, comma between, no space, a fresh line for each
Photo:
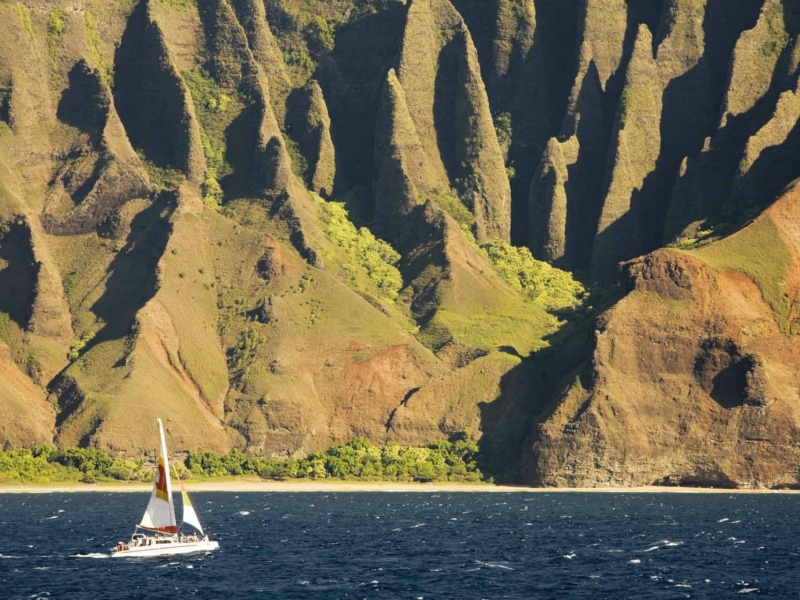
18,272
527,392
242,154
705,191
352,79
133,274
148,95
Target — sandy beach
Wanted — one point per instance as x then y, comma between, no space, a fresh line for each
254,485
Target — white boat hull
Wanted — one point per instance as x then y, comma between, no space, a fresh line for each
166,549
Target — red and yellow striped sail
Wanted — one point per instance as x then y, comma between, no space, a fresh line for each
161,482
160,514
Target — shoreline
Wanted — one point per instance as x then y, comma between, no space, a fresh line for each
252,485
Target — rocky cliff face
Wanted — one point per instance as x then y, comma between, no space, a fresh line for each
693,378
191,190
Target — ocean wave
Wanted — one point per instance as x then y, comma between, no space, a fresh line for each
495,565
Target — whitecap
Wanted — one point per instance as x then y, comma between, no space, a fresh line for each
243,513
723,520
635,561
91,555
682,585
190,566
570,556
5,556
42,568
53,517
748,590
302,582
396,529
653,548
495,565
418,525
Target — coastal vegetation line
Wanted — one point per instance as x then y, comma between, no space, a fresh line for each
358,459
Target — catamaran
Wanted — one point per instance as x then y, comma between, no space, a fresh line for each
166,538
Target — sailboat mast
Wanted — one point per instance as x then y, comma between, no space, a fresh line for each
166,470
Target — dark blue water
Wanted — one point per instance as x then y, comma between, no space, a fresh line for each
413,545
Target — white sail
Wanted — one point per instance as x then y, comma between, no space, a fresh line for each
160,514
189,515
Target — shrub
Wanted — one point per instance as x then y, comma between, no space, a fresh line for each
452,205
86,460
320,34
357,459
377,257
79,345
502,125
244,354
453,460
214,109
550,288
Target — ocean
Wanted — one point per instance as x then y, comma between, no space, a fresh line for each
412,546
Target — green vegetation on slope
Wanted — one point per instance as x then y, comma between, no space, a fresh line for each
543,284
758,252
93,41
56,28
522,323
25,17
357,459
376,257
46,464
177,3
779,37
306,29
452,205
216,108
10,332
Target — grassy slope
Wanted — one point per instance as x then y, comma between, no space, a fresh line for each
758,252
188,296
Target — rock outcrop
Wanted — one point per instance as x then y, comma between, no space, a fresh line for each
311,126
633,155
152,99
549,201
693,380
448,104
